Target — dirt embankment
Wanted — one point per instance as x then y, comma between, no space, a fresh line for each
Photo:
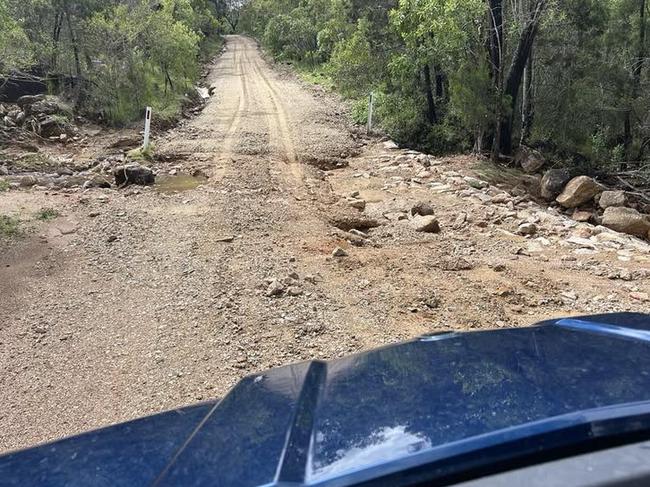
139,300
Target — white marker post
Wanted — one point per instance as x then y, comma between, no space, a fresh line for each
371,108
147,129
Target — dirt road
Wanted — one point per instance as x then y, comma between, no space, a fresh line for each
141,300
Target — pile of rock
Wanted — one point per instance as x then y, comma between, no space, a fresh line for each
588,200
46,116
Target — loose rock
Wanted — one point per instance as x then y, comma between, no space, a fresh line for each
339,252
527,229
476,183
529,159
626,220
582,216
579,191
553,183
275,289
422,208
134,174
425,224
612,198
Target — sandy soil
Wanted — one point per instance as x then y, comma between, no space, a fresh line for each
141,300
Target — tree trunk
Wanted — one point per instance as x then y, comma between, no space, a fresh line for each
636,80
440,82
75,46
496,47
56,35
432,116
527,103
516,73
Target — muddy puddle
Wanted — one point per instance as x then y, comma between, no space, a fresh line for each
178,183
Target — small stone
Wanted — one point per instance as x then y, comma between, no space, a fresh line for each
643,297
390,145
422,208
570,295
425,224
294,291
357,204
582,216
339,252
527,229
476,183
460,221
275,289
111,239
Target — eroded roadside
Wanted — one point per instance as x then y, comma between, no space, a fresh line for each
136,301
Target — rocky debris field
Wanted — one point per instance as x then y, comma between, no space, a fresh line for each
275,232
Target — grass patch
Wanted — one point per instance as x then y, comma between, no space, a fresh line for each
4,185
315,76
47,214
9,226
141,155
499,174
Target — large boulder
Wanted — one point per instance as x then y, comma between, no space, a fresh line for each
134,174
626,220
579,191
554,182
612,198
529,159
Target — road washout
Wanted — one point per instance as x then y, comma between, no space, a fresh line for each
135,301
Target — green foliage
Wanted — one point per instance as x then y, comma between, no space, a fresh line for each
144,57
9,226
47,214
15,47
116,57
4,185
428,62
353,66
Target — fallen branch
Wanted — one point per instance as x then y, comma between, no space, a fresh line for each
635,191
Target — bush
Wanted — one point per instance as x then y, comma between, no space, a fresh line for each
9,226
47,214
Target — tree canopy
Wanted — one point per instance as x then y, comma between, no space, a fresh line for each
111,57
569,76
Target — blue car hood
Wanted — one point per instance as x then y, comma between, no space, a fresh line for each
427,409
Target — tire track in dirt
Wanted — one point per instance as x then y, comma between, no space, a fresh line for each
231,138
278,120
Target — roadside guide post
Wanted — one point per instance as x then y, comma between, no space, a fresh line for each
371,107
147,129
